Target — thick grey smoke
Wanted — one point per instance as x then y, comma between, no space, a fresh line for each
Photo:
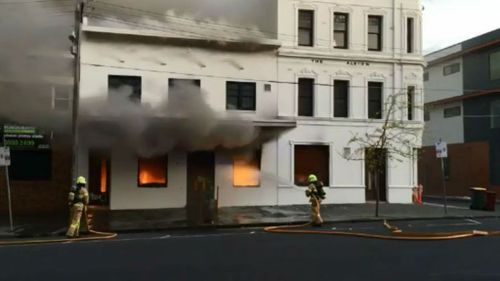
182,121
35,60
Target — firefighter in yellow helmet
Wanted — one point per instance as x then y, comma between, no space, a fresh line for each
78,199
316,194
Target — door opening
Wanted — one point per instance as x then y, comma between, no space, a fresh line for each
99,177
201,206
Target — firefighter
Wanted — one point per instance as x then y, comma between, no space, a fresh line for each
316,194
78,200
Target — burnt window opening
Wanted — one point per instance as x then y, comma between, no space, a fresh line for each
306,97
341,30
375,33
341,98
152,172
375,100
409,35
311,159
306,28
240,96
31,165
410,102
120,87
246,169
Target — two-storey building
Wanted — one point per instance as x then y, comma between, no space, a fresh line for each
179,112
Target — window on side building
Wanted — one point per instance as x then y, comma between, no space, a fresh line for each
451,68
61,98
122,88
495,66
410,102
246,169
306,28
375,33
375,100
306,97
495,114
152,172
452,112
311,159
426,76
427,113
341,30
341,98
240,96
409,35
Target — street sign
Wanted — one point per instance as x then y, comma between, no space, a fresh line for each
4,156
441,149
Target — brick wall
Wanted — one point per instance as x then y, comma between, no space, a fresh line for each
469,166
33,197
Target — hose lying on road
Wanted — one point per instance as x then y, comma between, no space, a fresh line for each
396,233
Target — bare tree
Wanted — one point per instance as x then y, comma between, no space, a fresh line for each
395,139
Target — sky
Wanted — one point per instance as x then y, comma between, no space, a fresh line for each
447,22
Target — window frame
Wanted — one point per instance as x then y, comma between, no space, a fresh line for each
154,185
136,95
451,68
410,35
299,97
410,102
381,102
67,100
344,32
497,53
301,28
449,113
379,34
240,95
426,76
336,98
492,114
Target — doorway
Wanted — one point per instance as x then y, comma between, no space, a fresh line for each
201,205
99,185
377,178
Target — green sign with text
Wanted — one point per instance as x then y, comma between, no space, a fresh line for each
24,138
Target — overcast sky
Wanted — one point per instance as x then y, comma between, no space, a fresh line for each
447,22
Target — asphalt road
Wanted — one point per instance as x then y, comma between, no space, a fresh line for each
251,254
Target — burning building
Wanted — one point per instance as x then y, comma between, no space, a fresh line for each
175,112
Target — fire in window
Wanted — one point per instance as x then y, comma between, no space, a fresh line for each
246,170
153,172
311,159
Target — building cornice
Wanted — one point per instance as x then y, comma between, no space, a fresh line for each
311,54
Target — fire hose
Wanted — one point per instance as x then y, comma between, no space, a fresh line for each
396,233
100,236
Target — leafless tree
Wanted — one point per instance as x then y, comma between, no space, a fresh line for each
394,139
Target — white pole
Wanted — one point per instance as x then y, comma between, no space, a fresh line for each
9,199
444,187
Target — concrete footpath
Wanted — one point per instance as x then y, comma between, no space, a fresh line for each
149,220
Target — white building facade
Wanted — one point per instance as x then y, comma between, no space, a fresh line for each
321,78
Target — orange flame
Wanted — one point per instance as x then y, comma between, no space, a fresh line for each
104,176
246,172
152,172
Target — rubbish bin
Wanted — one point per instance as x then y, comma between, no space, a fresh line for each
491,200
478,198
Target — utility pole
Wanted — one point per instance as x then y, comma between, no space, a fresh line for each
75,50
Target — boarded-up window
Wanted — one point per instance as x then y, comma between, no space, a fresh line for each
311,159
246,170
152,172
